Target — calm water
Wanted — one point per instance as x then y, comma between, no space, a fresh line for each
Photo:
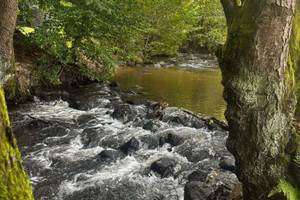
193,84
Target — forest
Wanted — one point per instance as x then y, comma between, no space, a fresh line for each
161,99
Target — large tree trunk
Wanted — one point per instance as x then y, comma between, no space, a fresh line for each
258,87
8,17
14,183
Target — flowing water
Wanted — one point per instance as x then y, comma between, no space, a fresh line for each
61,134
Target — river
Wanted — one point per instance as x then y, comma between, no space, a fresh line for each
74,143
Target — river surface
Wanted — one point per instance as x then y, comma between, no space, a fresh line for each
189,81
62,136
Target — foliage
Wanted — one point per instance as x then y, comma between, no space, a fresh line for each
96,34
286,188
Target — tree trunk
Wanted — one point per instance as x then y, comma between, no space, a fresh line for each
14,183
8,17
258,87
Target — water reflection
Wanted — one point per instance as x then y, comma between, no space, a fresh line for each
199,90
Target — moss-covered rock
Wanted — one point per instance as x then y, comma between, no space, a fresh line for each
14,183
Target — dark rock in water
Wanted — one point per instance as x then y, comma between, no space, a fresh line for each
221,193
193,155
83,119
110,155
164,167
149,142
186,119
157,110
172,139
197,190
152,125
114,84
53,96
198,176
227,163
37,123
124,112
131,146
138,102
214,124
91,137
137,87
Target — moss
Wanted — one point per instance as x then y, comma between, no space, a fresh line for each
295,54
14,184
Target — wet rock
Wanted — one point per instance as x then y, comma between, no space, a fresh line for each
227,163
172,139
149,142
139,102
157,110
197,190
214,124
37,123
157,65
221,193
198,176
131,146
110,155
152,125
91,137
137,87
124,112
164,167
194,155
53,96
83,119
113,84
94,102
186,120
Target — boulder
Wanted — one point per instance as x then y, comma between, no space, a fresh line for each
227,163
221,193
138,102
172,139
110,155
91,137
193,155
113,84
164,167
149,142
124,112
83,119
152,125
198,176
131,146
197,190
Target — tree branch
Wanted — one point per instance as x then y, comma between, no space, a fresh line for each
230,7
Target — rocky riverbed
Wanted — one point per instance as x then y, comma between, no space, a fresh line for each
98,142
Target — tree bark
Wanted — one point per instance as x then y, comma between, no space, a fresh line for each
14,183
258,87
8,16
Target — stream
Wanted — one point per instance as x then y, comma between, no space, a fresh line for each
110,141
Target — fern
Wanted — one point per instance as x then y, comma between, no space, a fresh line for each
286,188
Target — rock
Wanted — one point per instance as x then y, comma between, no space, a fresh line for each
186,120
227,163
149,142
131,146
193,155
137,87
152,125
162,63
110,155
172,139
113,84
221,193
198,176
214,124
91,137
83,119
138,102
164,167
124,112
157,65
197,190
53,96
